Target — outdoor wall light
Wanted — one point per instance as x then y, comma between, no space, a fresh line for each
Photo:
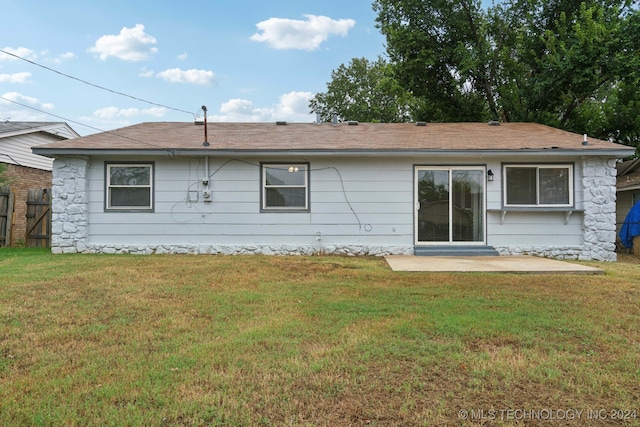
489,175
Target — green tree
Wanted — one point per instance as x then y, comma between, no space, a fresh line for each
571,64
365,91
4,180
442,54
614,110
561,55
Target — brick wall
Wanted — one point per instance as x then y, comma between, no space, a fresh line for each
22,179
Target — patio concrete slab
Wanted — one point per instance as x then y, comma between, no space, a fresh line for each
489,264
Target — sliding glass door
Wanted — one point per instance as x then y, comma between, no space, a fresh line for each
450,204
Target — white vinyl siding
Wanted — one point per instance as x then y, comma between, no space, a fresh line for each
15,146
353,201
16,150
365,203
535,228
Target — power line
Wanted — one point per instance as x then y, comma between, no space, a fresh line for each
95,85
12,159
88,126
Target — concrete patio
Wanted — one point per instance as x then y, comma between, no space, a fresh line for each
488,264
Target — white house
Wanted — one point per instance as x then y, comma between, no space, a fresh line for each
351,188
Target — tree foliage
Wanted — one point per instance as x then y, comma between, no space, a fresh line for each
365,91
439,50
4,180
571,64
567,54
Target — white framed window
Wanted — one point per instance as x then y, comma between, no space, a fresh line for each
285,187
129,186
538,185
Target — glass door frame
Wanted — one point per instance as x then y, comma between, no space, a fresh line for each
483,213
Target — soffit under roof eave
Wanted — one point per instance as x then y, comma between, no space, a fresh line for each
551,152
629,188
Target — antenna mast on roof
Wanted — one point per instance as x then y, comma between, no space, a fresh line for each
206,142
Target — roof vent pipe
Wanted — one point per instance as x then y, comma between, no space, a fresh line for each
335,119
585,141
206,142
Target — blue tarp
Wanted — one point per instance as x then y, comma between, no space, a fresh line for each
631,226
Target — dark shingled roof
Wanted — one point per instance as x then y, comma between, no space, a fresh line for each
363,137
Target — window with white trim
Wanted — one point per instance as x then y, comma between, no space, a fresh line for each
543,185
285,187
129,186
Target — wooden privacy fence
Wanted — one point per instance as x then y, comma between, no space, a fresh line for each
39,218
6,215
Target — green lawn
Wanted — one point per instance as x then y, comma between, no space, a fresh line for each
252,340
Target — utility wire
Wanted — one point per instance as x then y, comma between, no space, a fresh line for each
12,159
50,114
172,152
95,85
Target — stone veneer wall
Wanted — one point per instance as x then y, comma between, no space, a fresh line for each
599,218
350,250
599,182
70,222
69,207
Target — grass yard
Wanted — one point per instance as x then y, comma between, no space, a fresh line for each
92,340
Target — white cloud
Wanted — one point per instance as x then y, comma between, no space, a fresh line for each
27,100
65,56
182,56
281,33
22,52
15,78
294,104
132,44
108,113
293,107
241,108
146,73
198,77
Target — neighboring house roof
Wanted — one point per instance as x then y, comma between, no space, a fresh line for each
628,175
17,139
57,129
344,138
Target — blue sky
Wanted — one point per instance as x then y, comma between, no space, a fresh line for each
245,60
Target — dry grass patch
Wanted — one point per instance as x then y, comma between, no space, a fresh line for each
300,341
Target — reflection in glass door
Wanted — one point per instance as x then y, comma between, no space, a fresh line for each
450,203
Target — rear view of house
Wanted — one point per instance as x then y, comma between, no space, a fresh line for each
351,188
